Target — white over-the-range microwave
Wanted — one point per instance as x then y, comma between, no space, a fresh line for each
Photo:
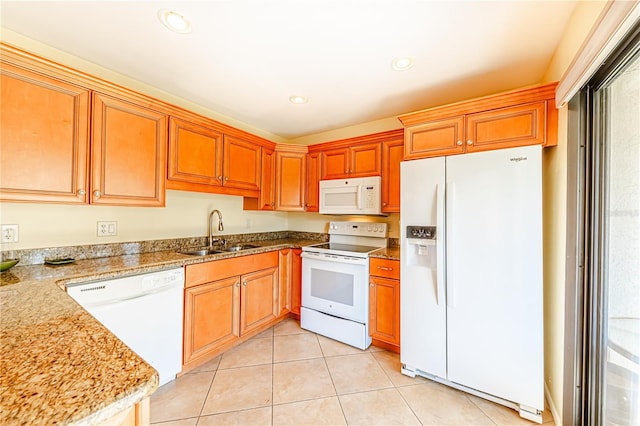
357,196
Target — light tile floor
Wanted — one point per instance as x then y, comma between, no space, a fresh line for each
289,376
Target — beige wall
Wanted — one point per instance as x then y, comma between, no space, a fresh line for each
555,209
185,215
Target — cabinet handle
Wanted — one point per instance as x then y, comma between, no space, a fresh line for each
97,193
237,284
219,178
459,143
81,192
306,204
244,283
385,268
469,142
371,285
384,204
273,204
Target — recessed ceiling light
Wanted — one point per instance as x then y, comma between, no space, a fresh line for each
298,99
174,21
402,64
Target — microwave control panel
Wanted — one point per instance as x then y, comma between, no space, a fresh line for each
369,198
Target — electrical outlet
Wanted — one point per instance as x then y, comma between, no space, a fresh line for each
10,233
107,229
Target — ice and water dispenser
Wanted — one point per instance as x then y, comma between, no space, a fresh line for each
421,246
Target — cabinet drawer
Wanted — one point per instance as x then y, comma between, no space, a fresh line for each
217,269
387,268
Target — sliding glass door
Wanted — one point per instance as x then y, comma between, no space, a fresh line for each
612,309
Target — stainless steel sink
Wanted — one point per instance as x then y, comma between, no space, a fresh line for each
239,247
201,252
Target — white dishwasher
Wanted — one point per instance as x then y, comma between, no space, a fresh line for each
144,311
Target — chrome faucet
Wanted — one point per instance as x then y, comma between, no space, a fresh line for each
220,226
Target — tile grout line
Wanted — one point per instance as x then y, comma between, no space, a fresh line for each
215,373
324,358
273,358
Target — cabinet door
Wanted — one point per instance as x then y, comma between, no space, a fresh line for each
392,154
384,310
507,127
128,157
267,180
284,273
434,138
195,154
296,282
365,160
291,168
312,203
335,164
258,299
44,138
211,317
241,164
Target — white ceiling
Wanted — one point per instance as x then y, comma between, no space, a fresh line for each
244,59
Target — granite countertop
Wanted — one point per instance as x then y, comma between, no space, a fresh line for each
392,253
58,365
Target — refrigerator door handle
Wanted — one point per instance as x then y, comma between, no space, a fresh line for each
440,264
450,195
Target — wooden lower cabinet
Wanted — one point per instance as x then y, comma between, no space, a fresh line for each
211,316
384,303
226,301
259,302
296,282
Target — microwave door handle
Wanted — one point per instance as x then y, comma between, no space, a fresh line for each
359,198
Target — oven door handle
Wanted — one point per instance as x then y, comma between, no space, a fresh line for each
334,259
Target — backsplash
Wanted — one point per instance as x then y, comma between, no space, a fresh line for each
38,255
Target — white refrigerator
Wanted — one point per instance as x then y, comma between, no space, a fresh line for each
471,274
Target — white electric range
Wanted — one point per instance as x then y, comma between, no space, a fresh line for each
335,282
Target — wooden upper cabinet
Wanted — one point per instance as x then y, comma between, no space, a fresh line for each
335,163
291,169
365,160
517,118
506,127
241,164
44,138
203,158
435,138
128,161
392,155
312,202
195,155
267,199
358,160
